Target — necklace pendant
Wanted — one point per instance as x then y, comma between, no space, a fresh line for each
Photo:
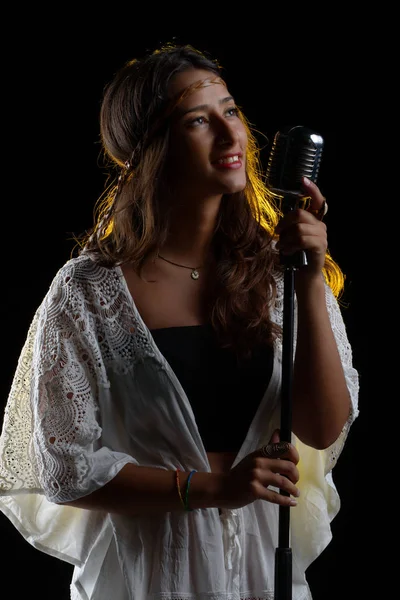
194,274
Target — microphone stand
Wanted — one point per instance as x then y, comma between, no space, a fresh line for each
283,552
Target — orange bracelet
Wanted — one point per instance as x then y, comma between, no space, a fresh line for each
178,486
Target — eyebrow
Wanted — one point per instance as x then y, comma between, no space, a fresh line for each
204,106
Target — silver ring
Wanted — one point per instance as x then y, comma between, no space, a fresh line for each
321,212
275,450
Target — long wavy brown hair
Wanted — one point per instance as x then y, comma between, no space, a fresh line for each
131,220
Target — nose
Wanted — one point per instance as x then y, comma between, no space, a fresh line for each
226,134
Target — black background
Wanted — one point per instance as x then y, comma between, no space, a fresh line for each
281,75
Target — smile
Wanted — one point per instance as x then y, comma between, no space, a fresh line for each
228,160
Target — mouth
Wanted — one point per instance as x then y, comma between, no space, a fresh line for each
229,159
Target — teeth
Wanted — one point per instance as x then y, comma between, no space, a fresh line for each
230,159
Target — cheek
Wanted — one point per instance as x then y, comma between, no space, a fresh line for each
182,160
182,150
190,156
242,136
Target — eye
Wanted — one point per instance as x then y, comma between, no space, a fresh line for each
197,121
233,111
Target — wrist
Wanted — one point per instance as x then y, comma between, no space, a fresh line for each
309,283
205,490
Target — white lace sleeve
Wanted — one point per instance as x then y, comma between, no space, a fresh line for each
18,473
351,375
332,453
50,443
319,500
51,439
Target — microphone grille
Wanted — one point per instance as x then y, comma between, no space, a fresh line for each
295,153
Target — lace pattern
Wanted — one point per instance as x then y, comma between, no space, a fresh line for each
84,326
18,463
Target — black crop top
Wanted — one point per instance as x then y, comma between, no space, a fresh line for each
224,396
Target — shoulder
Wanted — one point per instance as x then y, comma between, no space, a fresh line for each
81,280
82,271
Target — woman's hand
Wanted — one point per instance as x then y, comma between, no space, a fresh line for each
272,466
301,229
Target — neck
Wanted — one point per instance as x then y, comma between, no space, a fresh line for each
190,234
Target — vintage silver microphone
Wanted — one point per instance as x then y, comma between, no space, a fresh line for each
295,153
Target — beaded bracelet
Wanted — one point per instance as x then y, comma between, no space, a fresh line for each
178,485
186,503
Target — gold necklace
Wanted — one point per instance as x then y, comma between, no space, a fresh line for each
194,270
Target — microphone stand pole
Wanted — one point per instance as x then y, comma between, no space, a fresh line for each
283,552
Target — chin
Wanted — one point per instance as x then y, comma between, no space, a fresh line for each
234,188
231,184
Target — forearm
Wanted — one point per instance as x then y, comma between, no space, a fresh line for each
321,401
148,490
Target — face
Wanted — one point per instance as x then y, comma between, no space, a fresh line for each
207,137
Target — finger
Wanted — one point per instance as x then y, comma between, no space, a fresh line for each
320,212
277,498
293,221
279,450
275,449
275,437
318,204
284,482
305,237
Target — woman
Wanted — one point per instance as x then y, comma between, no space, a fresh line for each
141,436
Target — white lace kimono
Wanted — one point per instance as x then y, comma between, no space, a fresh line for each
91,393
